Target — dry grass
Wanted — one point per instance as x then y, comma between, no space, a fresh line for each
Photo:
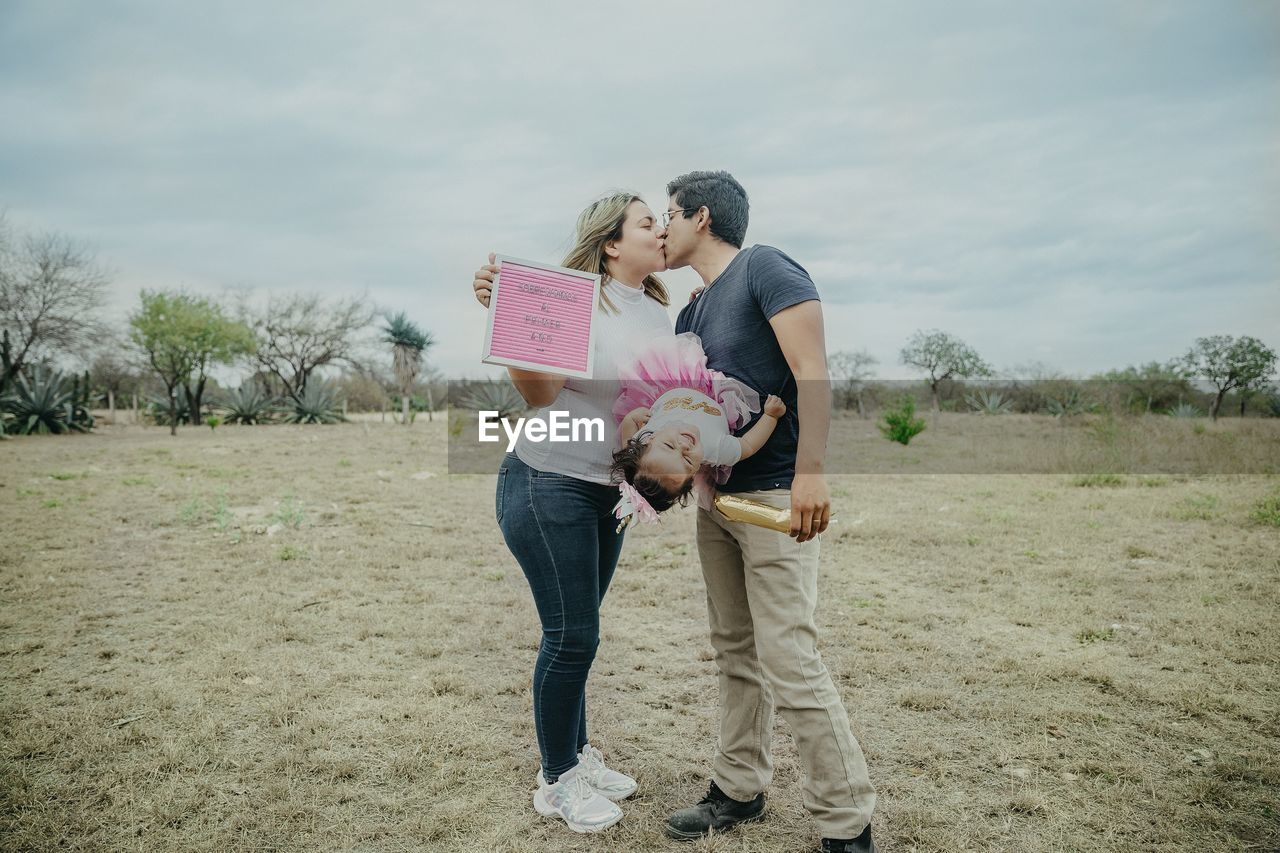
293,638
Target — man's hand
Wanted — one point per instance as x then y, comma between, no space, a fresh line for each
483,284
774,407
810,506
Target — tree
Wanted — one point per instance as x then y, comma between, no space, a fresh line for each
851,370
1153,386
115,370
297,333
408,343
183,337
942,356
1230,363
51,293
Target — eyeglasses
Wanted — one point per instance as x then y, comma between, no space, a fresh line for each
666,217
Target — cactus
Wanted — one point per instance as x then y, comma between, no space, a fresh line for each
6,360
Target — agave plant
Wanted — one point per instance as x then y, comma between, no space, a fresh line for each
1185,410
494,396
249,404
44,403
317,404
989,402
157,409
1068,404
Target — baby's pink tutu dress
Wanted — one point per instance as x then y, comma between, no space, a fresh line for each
679,362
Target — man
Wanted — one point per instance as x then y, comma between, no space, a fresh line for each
760,321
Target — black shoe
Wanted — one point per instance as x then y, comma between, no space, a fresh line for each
861,844
714,811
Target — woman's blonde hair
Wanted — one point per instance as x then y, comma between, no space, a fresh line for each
597,225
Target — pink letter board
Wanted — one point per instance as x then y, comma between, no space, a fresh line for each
540,318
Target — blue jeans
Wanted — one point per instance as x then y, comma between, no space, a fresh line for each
561,531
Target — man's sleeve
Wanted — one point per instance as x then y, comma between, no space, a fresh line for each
777,282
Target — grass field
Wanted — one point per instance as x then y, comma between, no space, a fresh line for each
313,638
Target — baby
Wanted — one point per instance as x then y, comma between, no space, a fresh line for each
683,434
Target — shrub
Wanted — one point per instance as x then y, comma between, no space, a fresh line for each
494,396
249,404
989,402
901,424
1185,410
45,403
1267,510
1098,480
157,409
318,404
1068,404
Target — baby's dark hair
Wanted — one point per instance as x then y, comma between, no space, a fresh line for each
626,468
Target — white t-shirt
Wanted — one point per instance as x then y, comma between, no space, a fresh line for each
639,320
687,406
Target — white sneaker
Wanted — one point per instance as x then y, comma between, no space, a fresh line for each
608,783
611,783
573,799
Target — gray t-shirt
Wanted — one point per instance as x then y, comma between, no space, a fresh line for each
731,316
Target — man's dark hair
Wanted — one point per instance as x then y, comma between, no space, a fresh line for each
626,468
720,194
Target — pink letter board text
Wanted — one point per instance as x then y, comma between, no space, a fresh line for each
540,318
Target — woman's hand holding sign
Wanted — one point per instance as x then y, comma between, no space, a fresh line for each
483,284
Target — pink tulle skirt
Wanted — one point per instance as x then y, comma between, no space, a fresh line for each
679,362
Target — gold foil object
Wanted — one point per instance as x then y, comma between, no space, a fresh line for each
753,512
735,508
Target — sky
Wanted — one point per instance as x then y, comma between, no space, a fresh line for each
1080,185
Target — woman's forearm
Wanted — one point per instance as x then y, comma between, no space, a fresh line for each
538,389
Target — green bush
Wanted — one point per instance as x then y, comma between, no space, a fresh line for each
44,403
901,424
157,409
1098,480
1070,403
318,404
1267,510
249,404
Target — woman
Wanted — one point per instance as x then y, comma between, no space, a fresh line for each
554,505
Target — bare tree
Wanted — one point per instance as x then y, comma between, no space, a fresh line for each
297,333
51,295
851,370
942,356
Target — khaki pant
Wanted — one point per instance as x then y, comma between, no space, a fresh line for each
762,591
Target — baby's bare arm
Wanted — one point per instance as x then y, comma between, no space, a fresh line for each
755,438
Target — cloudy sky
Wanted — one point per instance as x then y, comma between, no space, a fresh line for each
1084,185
